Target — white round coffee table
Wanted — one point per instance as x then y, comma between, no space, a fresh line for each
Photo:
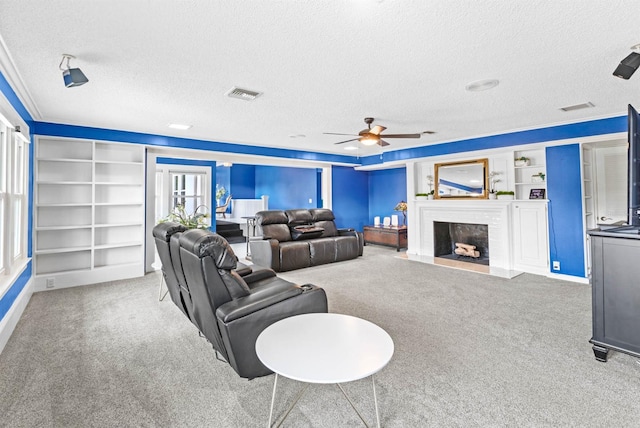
324,348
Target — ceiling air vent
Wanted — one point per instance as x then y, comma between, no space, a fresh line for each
577,106
243,94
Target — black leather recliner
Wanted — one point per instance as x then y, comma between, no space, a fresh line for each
232,310
162,234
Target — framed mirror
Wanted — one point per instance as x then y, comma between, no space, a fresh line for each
461,180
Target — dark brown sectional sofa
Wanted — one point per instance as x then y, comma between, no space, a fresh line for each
295,239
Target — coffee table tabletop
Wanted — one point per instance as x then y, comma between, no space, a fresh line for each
324,348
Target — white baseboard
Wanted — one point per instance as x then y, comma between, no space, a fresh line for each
10,320
568,277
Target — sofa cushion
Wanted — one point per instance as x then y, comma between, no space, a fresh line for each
346,248
306,231
298,217
236,286
271,217
319,214
294,255
279,232
322,250
329,227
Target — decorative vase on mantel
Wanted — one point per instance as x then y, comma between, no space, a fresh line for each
492,195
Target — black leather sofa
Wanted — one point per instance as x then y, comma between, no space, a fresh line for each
295,239
229,303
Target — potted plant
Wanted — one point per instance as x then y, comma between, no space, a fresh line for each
505,194
538,178
195,220
522,161
493,180
430,184
422,196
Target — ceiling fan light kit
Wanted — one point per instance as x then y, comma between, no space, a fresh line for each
372,136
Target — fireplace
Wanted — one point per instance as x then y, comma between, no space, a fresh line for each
496,215
461,242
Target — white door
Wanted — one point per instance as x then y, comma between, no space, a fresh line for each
611,184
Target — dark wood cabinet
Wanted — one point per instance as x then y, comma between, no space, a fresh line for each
615,293
392,236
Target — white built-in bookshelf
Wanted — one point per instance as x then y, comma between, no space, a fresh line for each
527,176
88,222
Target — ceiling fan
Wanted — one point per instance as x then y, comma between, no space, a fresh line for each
372,136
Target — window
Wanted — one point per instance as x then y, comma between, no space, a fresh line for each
13,200
182,185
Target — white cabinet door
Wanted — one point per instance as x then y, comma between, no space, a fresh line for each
530,236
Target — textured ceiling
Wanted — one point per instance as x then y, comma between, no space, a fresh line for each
322,66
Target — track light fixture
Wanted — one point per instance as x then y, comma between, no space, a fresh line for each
629,65
72,76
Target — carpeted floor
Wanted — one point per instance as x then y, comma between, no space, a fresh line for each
471,350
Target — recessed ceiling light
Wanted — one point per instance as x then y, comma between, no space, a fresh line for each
482,85
351,148
179,126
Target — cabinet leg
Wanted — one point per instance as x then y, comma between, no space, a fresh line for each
600,353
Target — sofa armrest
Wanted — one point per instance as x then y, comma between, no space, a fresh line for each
260,299
242,320
353,232
265,253
258,274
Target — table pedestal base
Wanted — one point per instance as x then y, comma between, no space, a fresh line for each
301,393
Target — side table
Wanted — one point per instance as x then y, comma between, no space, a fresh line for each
251,221
391,236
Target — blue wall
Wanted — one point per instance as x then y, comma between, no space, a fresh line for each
287,188
386,188
243,182
564,191
350,197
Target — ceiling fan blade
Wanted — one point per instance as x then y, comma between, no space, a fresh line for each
336,133
382,143
346,141
377,129
401,135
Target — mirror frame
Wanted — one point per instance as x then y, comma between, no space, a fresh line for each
485,178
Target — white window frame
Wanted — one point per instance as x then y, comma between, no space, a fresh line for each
165,199
14,167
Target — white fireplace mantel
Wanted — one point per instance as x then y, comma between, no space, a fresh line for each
511,251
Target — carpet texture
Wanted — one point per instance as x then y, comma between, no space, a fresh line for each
471,350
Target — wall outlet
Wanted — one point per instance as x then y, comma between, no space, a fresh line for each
51,282
556,265
310,200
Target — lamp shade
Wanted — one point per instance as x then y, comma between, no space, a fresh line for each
74,77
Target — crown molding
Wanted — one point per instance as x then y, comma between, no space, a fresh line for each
11,74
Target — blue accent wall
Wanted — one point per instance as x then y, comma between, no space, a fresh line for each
243,181
387,187
13,292
287,188
223,178
564,191
350,197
